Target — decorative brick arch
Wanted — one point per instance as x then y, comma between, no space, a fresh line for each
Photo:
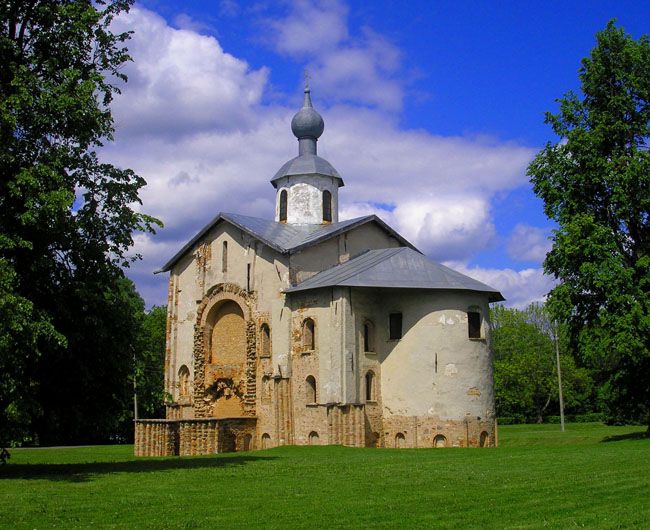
217,295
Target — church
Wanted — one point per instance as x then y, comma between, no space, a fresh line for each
307,330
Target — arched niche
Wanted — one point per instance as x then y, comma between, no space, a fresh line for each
224,355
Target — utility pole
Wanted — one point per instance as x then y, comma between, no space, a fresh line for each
559,372
135,389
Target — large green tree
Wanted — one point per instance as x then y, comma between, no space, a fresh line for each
595,183
525,367
66,222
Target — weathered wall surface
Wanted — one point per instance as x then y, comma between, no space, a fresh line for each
305,198
432,387
250,265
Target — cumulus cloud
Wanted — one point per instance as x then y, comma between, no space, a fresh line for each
519,288
191,122
360,69
182,82
529,243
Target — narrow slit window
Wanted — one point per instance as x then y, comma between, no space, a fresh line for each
474,324
265,340
327,206
311,389
283,206
308,339
370,386
184,381
368,336
224,257
395,326
248,277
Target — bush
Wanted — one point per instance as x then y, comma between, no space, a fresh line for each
515,419
592,417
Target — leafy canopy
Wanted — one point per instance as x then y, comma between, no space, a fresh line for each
595,184
66,222
525,367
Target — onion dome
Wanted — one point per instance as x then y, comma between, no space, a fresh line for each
307,123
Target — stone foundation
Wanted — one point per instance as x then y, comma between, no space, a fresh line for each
203,436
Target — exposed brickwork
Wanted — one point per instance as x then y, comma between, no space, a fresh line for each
193,437
422,431
231,382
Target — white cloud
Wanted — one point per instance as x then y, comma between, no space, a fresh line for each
359,69
529,243
311,27
191,122
519,288
182,82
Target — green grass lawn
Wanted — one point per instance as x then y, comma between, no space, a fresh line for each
590,476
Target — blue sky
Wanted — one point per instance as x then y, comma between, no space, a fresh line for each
432,111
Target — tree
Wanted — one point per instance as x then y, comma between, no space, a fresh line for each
595,183
66,222
150,363
525,373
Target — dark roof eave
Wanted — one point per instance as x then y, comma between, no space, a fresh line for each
275,179
494,296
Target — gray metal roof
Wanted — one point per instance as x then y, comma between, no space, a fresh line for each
283,237
395,268
307,164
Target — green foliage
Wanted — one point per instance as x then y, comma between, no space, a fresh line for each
150,364
595,184
539,477
525,367
66,223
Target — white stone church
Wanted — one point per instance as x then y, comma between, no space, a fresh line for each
310,330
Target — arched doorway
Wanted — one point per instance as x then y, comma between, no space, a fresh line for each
440,441
226,368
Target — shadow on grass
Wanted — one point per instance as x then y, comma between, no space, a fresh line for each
640,435
85,471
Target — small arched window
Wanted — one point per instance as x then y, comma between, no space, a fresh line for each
265,341
327,206
224,257
310,389
368,336
484,440
184,381
370,386
283,206
308,335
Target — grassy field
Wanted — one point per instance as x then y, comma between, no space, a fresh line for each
590,476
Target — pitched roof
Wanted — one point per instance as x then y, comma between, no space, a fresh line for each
395,268
283,237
